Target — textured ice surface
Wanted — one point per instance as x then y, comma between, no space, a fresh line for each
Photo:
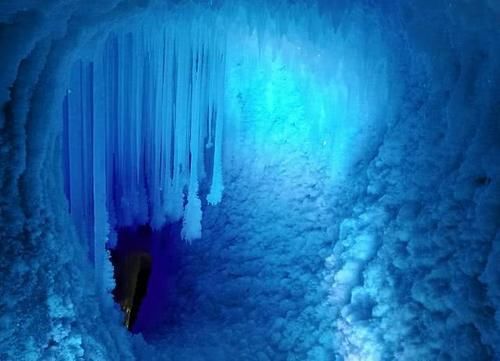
360,210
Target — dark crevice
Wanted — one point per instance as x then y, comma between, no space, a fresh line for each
145,268
132,261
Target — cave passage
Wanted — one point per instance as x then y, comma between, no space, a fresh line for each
272,180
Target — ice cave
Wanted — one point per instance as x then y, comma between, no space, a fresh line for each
254,180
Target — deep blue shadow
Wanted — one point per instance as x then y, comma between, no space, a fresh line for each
148,262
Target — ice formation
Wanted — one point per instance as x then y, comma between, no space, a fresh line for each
337,163
140,118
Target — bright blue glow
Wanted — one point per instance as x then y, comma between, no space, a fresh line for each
285,103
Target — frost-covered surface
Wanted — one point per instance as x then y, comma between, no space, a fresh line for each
254,283
397,258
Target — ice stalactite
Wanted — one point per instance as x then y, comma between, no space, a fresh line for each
192,212
140,120
215,195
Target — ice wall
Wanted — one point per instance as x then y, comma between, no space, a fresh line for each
418,248
48,300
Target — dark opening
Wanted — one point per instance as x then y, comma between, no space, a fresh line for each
132,261
146,266
140,288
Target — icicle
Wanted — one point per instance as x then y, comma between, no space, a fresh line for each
157,150
215,195
181,128
139,124
75,148
110,116
203,106
192,214
101,226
